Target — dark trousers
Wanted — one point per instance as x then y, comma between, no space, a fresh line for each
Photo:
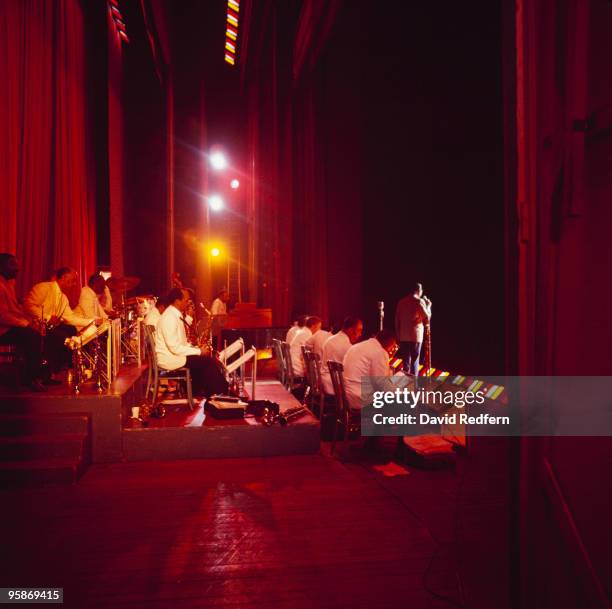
410,352
58,356
207,375
28,345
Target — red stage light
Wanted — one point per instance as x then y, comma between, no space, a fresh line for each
235,184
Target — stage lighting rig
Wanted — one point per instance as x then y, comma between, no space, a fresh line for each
215,202
218,160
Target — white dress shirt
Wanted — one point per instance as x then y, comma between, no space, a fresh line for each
152,317
218,307
297,361
171,344
366,359
107,300
11,314
90,305
46,299
334,349
317,340
293,330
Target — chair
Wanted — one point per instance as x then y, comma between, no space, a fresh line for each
289,379
313,378
156,373
349,418
278,352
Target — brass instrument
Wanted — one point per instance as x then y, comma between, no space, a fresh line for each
269,418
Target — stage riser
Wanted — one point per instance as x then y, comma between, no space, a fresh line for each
106,413
220,442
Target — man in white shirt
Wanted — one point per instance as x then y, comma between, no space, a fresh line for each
89,300
218,312
155,312
173,350
312,326
316,341
15,327
336,346
47,302
365,360
298,324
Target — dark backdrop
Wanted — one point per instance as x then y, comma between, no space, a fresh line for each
433,173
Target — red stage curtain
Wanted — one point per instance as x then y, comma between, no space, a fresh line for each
48,206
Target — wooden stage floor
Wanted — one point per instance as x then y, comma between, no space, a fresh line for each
298,532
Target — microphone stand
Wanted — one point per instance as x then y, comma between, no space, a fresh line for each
381,315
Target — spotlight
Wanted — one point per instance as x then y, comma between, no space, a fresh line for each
215,251
215,202
218,161
235,184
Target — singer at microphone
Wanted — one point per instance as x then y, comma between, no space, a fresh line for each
411,315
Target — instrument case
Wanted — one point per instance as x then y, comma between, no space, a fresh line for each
225,407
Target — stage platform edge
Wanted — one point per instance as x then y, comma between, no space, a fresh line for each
222,439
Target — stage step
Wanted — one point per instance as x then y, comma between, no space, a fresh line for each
41,472
42,446
29,424
41,449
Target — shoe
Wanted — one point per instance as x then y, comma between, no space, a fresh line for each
36,386
51,382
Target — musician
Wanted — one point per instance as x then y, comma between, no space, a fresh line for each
152,317
15,326
47,302
218,311
316,341
312,326
173,350
106,299
364,360
413,312
298,324
90,304
336,346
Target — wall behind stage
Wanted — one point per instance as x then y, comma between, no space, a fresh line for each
46,180
432,174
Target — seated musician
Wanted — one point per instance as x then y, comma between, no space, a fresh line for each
48,303
335,348
152,317
90,304
16,328
298,324
106,299
312,326
317,340
369,358
174,351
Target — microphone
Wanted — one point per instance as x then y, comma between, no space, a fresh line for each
381,314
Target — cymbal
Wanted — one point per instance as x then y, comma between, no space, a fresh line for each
122,284
133,300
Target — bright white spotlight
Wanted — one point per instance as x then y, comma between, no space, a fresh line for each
218,161
215,202
235,184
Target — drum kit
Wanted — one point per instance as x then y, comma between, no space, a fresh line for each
130,310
